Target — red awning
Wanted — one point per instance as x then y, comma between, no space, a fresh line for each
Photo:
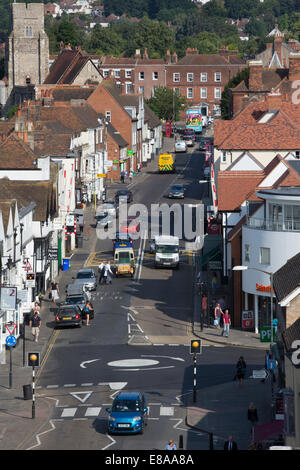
269,430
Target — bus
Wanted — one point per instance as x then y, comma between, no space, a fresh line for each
193,119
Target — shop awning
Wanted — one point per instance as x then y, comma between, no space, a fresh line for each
270,430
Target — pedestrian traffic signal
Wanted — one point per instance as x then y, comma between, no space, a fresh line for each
30,276
195,346
33,359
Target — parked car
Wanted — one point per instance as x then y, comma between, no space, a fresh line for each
128,413
110,207
77,295
86,277
189,133
68,315
176,191
104,219
189,140
180,146
126,193
202,145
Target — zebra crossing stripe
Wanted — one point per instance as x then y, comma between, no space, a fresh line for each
93,411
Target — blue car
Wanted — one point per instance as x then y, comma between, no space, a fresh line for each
128,413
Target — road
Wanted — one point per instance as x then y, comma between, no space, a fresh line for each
138,340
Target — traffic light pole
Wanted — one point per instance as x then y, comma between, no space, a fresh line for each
33,393
195,379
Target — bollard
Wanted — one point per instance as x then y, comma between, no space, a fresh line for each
27,392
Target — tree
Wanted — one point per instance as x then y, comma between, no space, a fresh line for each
225,99
105,41
166,104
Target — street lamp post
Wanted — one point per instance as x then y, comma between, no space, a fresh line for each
245,268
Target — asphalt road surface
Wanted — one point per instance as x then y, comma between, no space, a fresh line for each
138,341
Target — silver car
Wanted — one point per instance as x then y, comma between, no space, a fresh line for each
177,191
86,277
104,219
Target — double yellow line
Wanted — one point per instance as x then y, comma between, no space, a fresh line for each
49,349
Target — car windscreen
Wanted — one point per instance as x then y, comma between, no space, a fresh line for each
176,187
166,248
124,257
85,275
75,300
101,216
126,405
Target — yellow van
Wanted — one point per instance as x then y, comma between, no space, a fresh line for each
166,163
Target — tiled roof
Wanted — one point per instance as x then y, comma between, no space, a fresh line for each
287,278
150,117
72,93
25,192
6,206
210,59
290,335
15,154
270,79
74,118
116,136
235,186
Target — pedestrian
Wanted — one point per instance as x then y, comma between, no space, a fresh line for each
267,358
54,290
88,309
252,418
130,176
217,315
230,444
108,273
171,445
101,269
36,307
214,282
226,323
35,325
204,305
241,370
122,177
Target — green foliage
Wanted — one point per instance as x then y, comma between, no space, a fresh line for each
105,41
166,104
12,111
225,99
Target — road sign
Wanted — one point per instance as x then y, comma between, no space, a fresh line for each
271,364
11,327
101,175
259,374
8,298
11,341
265,334
28,267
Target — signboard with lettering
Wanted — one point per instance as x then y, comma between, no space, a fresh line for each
8,298
247,319
52,254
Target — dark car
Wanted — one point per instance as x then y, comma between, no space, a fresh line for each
123,194
68,315
128,413
176,191
76,295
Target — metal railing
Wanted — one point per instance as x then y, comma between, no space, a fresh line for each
283,225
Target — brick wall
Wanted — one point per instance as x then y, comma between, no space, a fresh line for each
294,66
293,311
255,75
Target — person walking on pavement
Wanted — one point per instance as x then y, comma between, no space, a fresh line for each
171,445
54,290
130,176
101,269
241,370
204,305
35,325
218,312
36,307
230,444
122,176
252,418
226,323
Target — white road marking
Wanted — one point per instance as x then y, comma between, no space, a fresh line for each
83,366
133,363
68,412
85,397
166,411
93,411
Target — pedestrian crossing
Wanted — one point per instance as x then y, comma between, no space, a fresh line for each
97,257
155,411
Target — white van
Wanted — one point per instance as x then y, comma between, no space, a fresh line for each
166,251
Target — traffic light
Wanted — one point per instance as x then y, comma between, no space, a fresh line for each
30,276
33,359
195,346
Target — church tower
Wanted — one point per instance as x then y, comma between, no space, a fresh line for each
27,55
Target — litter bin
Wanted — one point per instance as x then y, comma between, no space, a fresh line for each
27,392
66,264
79,240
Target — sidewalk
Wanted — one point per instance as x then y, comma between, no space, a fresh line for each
222,410
16,423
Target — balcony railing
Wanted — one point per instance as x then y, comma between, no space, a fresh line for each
281,225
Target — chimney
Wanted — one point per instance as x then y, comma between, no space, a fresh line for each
168,57
146,54
255,75
223,50
137,54
269,45
274,99
294,66
174,58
